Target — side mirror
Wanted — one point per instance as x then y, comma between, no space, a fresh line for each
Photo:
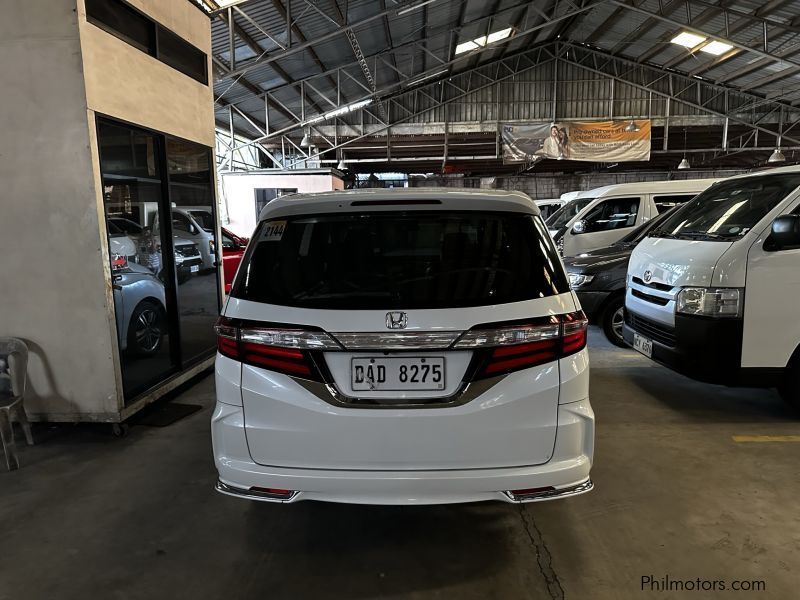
579,227
785,233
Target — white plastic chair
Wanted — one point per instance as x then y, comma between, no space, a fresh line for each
13,377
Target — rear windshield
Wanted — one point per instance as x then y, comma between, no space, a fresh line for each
565,214
388,260
728,210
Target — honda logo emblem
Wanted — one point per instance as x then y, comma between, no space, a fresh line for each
396,320
648,275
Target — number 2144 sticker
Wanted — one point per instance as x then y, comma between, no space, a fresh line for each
273,231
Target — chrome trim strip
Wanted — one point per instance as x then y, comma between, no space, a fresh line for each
392,340
466,392
645,289
224,488
574,490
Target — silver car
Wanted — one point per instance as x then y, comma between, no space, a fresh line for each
140,308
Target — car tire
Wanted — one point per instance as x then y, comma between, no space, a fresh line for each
184,275
613,319
146,329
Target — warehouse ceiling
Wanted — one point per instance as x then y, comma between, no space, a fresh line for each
385,84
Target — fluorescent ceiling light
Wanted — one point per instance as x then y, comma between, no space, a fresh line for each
688,40
716,48
484,40
346,109
498,35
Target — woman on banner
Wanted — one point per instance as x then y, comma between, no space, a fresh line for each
552,144
563,141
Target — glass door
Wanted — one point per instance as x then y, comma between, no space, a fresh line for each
160,215
133,188
191,195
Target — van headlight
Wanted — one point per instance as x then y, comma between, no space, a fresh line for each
578,280
710,302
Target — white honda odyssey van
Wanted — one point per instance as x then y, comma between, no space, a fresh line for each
713,290
402,347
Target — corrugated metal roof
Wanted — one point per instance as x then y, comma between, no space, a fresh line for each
641,33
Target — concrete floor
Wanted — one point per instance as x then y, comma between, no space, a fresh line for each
93,516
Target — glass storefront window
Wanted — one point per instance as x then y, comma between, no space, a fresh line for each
165,292
192,196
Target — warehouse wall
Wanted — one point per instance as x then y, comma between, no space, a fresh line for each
50,243
238,198
552,186
126,83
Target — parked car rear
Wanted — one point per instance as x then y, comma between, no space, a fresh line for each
400,347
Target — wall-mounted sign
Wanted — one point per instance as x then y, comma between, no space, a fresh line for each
595,141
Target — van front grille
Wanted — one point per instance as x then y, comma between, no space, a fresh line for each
663,334
187,250
649,297
656,286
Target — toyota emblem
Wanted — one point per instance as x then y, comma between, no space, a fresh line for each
396,320
648,275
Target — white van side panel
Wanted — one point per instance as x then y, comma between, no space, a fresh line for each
772,298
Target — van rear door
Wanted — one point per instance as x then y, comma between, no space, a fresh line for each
395,290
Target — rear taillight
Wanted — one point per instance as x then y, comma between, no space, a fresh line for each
282,349
574,328
513,347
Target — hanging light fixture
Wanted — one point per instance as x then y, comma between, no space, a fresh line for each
776,156
306,141
632,127
341,166
684,164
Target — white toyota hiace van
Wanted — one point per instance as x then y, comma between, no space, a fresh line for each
714,291
597,218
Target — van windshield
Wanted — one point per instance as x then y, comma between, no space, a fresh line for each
728,210
566,213
641,232
392,260
204,219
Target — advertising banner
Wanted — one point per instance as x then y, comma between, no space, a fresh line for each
595,141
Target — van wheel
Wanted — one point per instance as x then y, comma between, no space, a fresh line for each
612,320
790,387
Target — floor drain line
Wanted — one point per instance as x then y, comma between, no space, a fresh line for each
543,556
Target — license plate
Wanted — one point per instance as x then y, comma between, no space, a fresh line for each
397,373
643,345
194,269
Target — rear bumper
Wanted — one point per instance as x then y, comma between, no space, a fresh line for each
567,472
